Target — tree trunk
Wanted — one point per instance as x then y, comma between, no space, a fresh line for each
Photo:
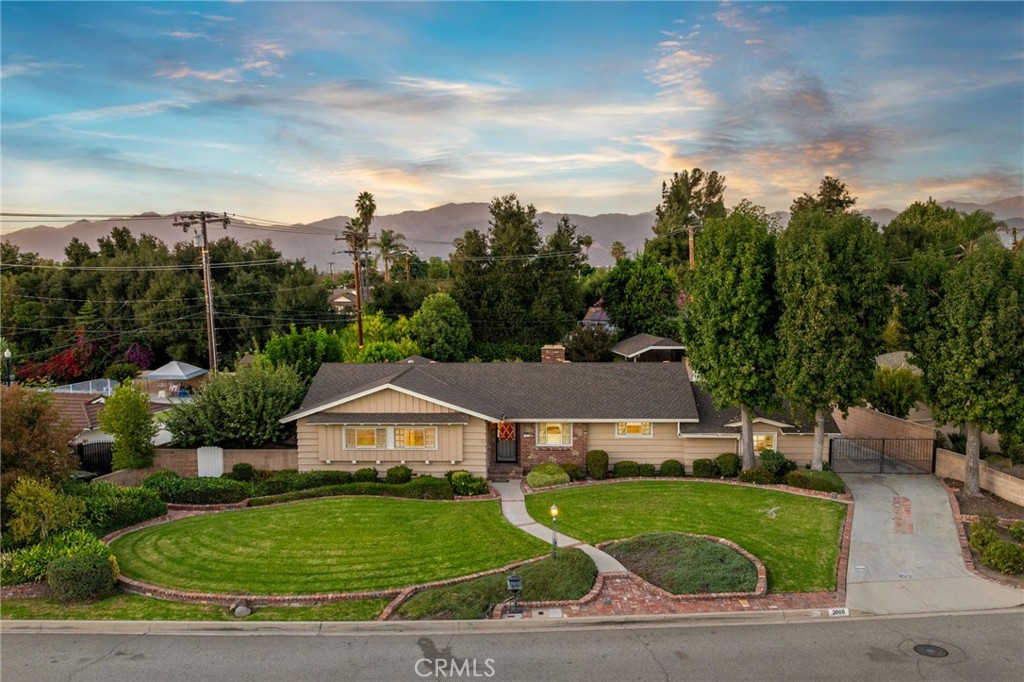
746,439
819,439
387,271
972,483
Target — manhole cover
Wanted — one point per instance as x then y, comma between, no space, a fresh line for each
931,651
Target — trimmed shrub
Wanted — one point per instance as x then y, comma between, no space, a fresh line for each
398,474
673,467
419,488
626,469
109,507
705,468
728,464
545,475
204,490
825,481
757,475
987,520
366,475
38,510
80,577
597,464
1005,557
647,470
29,564
574,471
776,464
1017,530
982,537
244,472
465,484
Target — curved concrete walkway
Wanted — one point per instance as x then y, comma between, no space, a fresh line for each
905,554
513,506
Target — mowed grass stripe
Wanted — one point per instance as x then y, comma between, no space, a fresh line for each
799,546
325,545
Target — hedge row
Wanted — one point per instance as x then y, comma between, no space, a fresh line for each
421,488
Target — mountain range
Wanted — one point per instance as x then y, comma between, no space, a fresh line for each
429,232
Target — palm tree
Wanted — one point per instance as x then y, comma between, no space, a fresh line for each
365,207
389,245
618,251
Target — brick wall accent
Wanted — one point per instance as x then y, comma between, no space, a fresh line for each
530,454
862,422
269,459
949,464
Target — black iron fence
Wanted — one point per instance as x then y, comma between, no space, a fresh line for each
97,458
882,455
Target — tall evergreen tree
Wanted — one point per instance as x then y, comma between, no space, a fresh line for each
729,322
831,277
689,200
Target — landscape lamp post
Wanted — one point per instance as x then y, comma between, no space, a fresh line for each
515,586
554,530
7,359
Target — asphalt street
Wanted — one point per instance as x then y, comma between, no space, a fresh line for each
987,647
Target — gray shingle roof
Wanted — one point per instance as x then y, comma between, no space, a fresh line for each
713,420
521,391
635,345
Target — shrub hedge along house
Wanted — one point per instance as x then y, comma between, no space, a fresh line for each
501,418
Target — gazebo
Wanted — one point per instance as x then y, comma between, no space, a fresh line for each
174,379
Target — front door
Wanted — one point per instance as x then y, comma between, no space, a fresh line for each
506,450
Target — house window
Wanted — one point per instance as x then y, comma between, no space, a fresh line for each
365,438
554,433
764,441
418,438
633,430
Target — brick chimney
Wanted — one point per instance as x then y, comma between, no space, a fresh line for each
552,353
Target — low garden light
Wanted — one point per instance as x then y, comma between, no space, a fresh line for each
554,530
7,359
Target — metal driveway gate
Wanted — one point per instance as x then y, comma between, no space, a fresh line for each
882,455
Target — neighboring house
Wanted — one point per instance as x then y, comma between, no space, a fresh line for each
597,316
649,348
82,411
499,418
343,299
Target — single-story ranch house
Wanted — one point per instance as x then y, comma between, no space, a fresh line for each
493,419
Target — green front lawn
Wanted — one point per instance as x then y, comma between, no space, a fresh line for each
326,545
799,547
136,607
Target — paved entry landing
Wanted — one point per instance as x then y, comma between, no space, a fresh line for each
905,553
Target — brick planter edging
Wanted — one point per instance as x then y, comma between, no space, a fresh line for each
499,609
226,506
965,549
760,589
407,592
845,498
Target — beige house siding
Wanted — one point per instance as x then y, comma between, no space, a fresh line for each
663,444
458,446
801,448
706,448
388,401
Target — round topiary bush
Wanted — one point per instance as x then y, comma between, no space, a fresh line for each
705,468
574,471
673,467
776,464
398,474
243,471
757,475
626,469
597,464
981,537
545,475
728,464
81,576
367,475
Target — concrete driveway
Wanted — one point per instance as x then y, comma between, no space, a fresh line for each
905,553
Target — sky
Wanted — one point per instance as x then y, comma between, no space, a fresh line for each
287,110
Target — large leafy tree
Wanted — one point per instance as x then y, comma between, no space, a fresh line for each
641,297
689,200
729,324
34,438
305,350
832,197
239,410
127,418
831,277
441,329
973,351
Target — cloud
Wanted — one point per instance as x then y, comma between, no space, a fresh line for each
992,184
185,35
113,113
733,17
33,68
222,76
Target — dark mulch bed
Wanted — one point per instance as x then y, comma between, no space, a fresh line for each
986,504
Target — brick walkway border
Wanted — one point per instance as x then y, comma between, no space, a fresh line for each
960,520
846,498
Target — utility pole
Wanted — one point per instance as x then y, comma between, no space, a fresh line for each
185,222
357,236
692,218
331,264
